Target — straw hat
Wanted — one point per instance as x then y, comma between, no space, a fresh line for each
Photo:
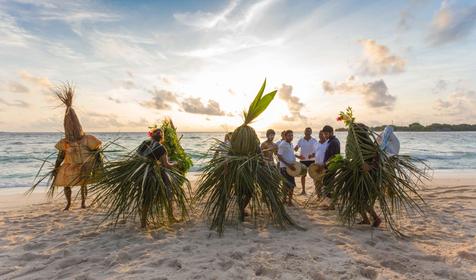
300,170
315,170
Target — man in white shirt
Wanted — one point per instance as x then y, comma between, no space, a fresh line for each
281,141
320,152
287,159
307,144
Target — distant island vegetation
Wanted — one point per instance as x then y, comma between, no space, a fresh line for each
432,127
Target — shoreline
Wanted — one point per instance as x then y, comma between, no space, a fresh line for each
15,198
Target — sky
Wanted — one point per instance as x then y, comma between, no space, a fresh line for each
134,63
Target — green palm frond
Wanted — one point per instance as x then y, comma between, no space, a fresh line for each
259,104
368,176
175,150
228,180
237,173
136,187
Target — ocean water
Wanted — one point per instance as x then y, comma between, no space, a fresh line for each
21,154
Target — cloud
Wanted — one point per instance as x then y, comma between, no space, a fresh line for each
11,33
440,86
93,120
231,44
205,20
452,23
128,84
41,82
374,93
378,60
133,50
116,100
195,106
459,105
229,30
161,99
285,93
17,88
16,103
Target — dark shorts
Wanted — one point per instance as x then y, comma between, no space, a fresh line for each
289,181
307,163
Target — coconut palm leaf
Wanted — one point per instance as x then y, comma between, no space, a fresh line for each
229,180
368,175
138,187
237,175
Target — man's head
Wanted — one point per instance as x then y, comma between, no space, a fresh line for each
228,136
156,134
322,138
328,131
288,135
270,134
307,132
282,134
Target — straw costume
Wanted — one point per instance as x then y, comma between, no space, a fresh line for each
369,176
238,176
78,158
144,184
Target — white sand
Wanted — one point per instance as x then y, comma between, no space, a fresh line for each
39,241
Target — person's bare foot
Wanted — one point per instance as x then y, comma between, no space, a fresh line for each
66,208
377,222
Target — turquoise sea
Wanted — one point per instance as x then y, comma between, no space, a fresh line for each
21,153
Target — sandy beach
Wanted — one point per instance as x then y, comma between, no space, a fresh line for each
40,241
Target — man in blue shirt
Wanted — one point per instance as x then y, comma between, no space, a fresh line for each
333,144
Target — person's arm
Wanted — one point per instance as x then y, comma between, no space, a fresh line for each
164,160
58,162
314,148
330,151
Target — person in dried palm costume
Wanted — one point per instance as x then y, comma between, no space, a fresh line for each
77,151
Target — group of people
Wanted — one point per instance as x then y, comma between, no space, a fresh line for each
147,184
311,151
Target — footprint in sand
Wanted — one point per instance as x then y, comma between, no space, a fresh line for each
369,273
225,265
266,272
430,258
316,275
28,257
175,264
34,245
236,255
71,262
394,265
467,255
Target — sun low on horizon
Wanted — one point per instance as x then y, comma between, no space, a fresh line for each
134,63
